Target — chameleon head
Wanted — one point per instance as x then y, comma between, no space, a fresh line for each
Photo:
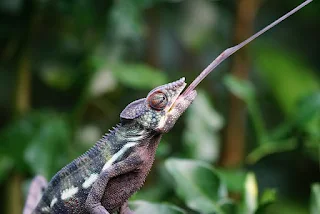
162,107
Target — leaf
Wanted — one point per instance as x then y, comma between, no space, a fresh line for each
45,150
143,207
307,115
234,178
245,91
308,107
271,147
197,184
268,197
241,88
161,186
201,133
288,76
37,140
315,199
250,194
15,137
228,207
139,76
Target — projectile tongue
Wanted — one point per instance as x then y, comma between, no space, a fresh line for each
228,52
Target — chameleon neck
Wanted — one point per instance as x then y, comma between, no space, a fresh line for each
124,134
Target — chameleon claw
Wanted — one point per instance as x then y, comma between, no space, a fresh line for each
99,210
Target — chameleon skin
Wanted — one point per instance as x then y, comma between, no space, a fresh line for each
102,180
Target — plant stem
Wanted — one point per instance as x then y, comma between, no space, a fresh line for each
234,142
257,121
22,105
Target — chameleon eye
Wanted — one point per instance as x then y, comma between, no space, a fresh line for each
158,100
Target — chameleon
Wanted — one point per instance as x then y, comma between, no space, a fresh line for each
120,161
102,179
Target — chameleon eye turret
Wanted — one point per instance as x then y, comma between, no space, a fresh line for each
158,100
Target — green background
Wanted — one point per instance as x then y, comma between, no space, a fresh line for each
248,144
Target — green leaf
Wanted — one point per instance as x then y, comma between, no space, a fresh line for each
228,206
143,207
139,76
268,197
271,147
201,134
234,179
308,107
245,91
197,184
315,199
16,136
241,88
307,115
45,151
161,186
37,140
288,76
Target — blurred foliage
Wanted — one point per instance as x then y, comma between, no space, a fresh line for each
198,185
68,68
146,207
201,133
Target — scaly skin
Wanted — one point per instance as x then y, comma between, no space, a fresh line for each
102,180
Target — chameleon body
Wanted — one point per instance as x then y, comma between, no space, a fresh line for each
101,180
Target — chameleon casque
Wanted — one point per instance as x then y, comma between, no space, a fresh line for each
101,180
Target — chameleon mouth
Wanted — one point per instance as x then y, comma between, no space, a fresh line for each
180,97
183,98
183,101
189,92
190,95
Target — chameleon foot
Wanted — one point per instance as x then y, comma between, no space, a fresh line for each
125,209
99,210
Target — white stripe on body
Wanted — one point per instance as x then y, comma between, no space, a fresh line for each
117,155
90,180
68,193
53,202
45,209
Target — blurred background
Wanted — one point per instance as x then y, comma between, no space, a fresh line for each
248,144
